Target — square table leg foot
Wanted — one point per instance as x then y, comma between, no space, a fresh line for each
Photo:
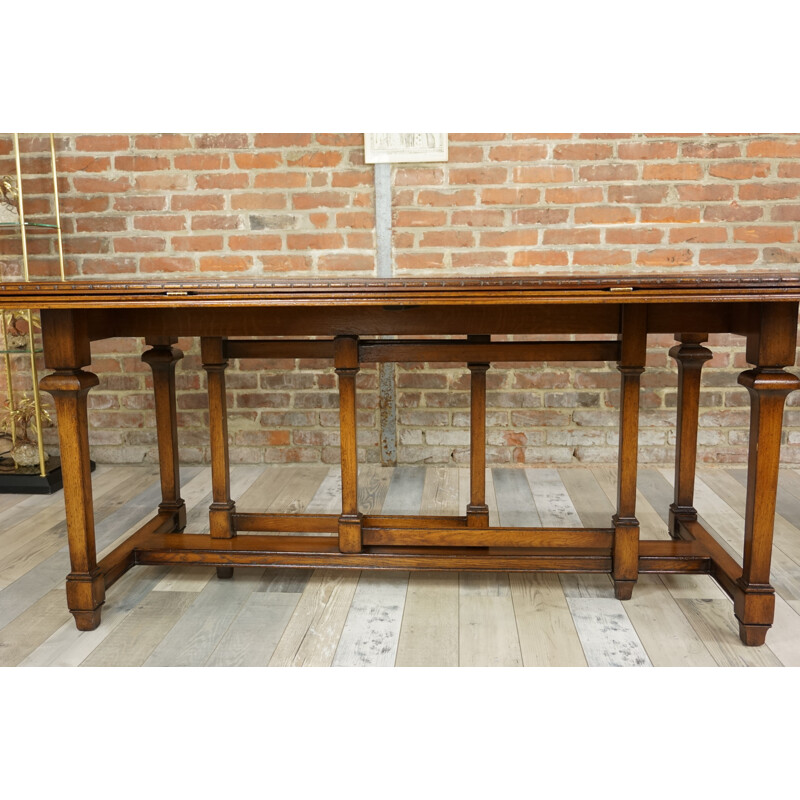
87,620
223,573
623,590
753,635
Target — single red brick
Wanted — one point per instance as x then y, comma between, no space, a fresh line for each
318,158
341,139
79,205
601,257
672,172
604,215
728,255
665,258
638,195
693,192
634,236
541,258
791,170
476,258
162,141
732,213
418,176
464,155
216,222
419,260
161,181
739,170
510,197
360,241
478,175
141,163
764,233
774,149
104,223
223,263
258,160
253,242
786,213
282,139
710,150
202,161
102,143
521,237
346,261
75,164
564,196
198,202
222,180
258,200
671,214
462,197
609,172
166,264
223,141
90,185
196,243
697,234
416,219
583,152
285,263
540,216
769,191
313,241
571,236
543,174
490,218
139,244
280,180
447,238
647,150
518,152
319,200
350,178
160,222
133,202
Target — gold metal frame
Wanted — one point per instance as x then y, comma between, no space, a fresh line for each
28,313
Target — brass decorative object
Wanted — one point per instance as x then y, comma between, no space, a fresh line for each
22,420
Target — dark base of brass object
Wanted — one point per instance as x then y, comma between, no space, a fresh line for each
29,480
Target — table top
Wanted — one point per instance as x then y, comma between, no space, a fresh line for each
773,286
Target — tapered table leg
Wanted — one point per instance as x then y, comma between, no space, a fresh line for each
220,513
66,351
162,358
770,348
625,555
690,356
346,364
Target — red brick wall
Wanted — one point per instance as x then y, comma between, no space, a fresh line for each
248,205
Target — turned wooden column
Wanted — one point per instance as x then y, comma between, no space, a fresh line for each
633,350
690,356
770,348
220,513
477,510
66,350
347,365
162,359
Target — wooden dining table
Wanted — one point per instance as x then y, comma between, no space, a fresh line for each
472,322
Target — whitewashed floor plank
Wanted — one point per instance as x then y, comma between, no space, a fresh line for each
372,629
33,626
547,633
429,630
253,636
514,499
607,635
715,624
404,495
193,638
314,629
552,500
132,642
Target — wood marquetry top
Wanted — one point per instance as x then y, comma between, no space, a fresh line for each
741,287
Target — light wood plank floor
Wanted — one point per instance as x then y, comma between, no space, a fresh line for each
184,616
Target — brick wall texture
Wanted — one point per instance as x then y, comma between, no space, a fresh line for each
301,205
